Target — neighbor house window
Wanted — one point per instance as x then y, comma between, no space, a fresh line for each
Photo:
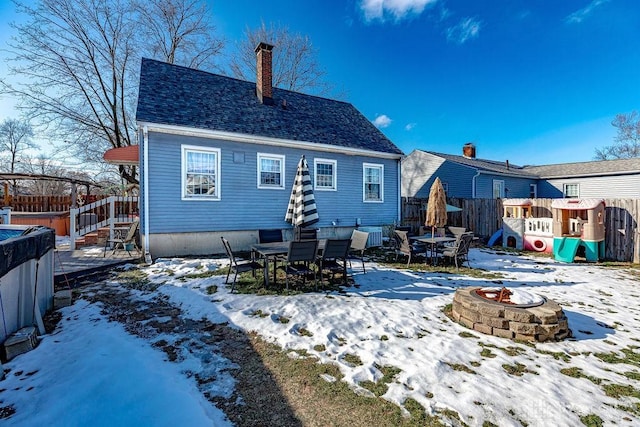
533,191
270,171
373,180
498,189
445,187
325,174
571,191
200,173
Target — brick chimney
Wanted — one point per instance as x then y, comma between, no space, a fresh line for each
264,79
469,150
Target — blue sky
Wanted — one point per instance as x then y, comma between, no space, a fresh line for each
533,82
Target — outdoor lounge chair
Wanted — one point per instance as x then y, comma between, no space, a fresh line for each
270,235
300,260
306,233
404,247
334,258
459,252
358,246
125,241
238,266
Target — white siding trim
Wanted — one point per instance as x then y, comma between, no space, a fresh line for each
263,140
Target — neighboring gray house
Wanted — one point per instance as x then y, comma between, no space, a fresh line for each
465,176
600,179
218,156
469,177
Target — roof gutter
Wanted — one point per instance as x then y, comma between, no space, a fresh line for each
263,140
583,175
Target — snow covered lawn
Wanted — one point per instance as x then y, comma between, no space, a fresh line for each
392,320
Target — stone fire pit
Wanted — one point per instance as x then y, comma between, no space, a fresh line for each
524,316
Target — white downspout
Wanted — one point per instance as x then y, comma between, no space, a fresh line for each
145,155
399,190
473,184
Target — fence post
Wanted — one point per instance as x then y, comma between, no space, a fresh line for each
112,215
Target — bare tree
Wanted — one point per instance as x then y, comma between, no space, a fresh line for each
79,63
179,32
44,165
295,66
15,138
627,141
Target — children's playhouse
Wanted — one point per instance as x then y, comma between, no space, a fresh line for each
521,231
578,225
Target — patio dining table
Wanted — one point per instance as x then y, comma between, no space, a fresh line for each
271,251
435,242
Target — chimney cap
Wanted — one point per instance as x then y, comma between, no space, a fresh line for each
263,45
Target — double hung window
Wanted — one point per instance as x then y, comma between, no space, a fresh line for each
200,173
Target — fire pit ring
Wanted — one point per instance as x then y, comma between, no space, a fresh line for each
540,320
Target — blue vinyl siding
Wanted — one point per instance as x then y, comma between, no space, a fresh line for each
514,187
242,205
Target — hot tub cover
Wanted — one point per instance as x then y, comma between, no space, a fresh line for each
32,244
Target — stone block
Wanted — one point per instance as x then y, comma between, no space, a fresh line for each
455,315
502,333
524,337
493,310
62,299
467,322
518,315
550,330
470,314
495,322
543,315
485,329
523,328
563,324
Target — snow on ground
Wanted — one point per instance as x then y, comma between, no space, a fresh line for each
391,318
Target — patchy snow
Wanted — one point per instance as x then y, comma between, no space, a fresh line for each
90,369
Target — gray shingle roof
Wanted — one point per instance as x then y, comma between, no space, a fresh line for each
174,95
486,165
600,167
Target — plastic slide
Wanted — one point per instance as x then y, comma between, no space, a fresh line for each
497,235
566,249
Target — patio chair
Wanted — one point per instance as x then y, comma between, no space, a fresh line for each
459,252
334,258
305,233
456,231
300,260
404,247
238,266
358,246
125,241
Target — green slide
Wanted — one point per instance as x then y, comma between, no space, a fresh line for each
565,248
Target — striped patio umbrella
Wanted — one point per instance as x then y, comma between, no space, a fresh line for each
302,211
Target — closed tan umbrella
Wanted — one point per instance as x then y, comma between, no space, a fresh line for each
436,207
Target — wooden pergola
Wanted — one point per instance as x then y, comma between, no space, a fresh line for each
41,177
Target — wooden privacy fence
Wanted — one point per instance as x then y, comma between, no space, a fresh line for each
23,203
484,217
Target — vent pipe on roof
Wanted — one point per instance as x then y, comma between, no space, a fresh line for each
469,150
264,78
507,163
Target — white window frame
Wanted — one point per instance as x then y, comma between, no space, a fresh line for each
278,157
184,149
380,167
572,184
500,184
445,186
533,191
334,184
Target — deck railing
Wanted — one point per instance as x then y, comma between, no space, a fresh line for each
107,212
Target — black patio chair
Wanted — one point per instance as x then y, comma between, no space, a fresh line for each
358,246
238,266
334,258
459,252
300,260
305,233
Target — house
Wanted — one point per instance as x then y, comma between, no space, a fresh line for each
465,176
613,179
219,156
